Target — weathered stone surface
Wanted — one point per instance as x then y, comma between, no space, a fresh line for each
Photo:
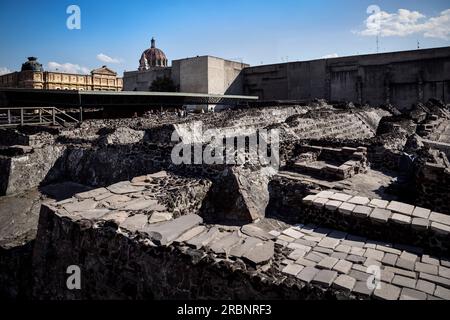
292,269
344,282
253,231
247,245
261,253
319,202
325,278
380,215
359,200
291,232
425,286
411,294
160,217
158,175
329,243
333,205
420,212
346,208
124,187
135,223
428,268
81,206
440,228
93,213
404,281
440,218
327,263
401,207
307,274
325,194
92,193
116,216
377,203
170,230
190,234
362,211
401,218
362,288
141,204
340,197
224,244
387,292
202,239
343,266
442,293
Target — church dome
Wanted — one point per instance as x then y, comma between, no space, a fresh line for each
32,65
152,57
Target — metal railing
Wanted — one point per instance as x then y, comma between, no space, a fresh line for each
11,117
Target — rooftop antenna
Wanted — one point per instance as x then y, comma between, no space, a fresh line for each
418,44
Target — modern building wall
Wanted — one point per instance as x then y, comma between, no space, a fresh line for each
400,78
142,80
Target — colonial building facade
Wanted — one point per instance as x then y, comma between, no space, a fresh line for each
33,76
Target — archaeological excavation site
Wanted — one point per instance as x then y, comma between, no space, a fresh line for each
355,188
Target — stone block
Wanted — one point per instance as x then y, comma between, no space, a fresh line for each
343,266
346,208
443,272
425,286
356,259
428,268
387,276
319,202
261,253
190,234
327,263
401,207
333,205
377,203
442,293
167,232
362,211
325,278
359,200
386,291
404,281
374,254
390,259
401,219
430,260
411,294
91,194
344,282
307,274
329,243
440,218
409,256
435,279
420,224
340,197
405,264
124,187
440,228
314,257
362,288
325,194
420,212
135,223
290,232
305,262
309,199
224,244
380,215
343,248
297,253
292,269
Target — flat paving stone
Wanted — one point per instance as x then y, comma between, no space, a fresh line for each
440,228
409,256
248,244
343,248
377,203
141,204
374,254
91,194
430,260
168,231
428,268
124,187
387,292
405,264
329,243
325,194
435,279
420,212
390,259
84,205
340,197
404,281
319,202
261,253
327,263
202,239
135,223
190,234
343,266
116,216
305,262
420,224
359,200
356,259
297,253
224,244
158,216
307,274
325,278
292,269
442,293
344,282
411,294
425,286
290,232
309,199
254,231
443,272
401,207
314,257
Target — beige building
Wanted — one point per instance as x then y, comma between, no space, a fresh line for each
33,76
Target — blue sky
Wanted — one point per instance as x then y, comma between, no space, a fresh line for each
256,31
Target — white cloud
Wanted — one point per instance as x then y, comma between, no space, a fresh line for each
4,70
67,67
329,56
406,22
107,59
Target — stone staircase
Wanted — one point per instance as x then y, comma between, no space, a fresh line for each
340,126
